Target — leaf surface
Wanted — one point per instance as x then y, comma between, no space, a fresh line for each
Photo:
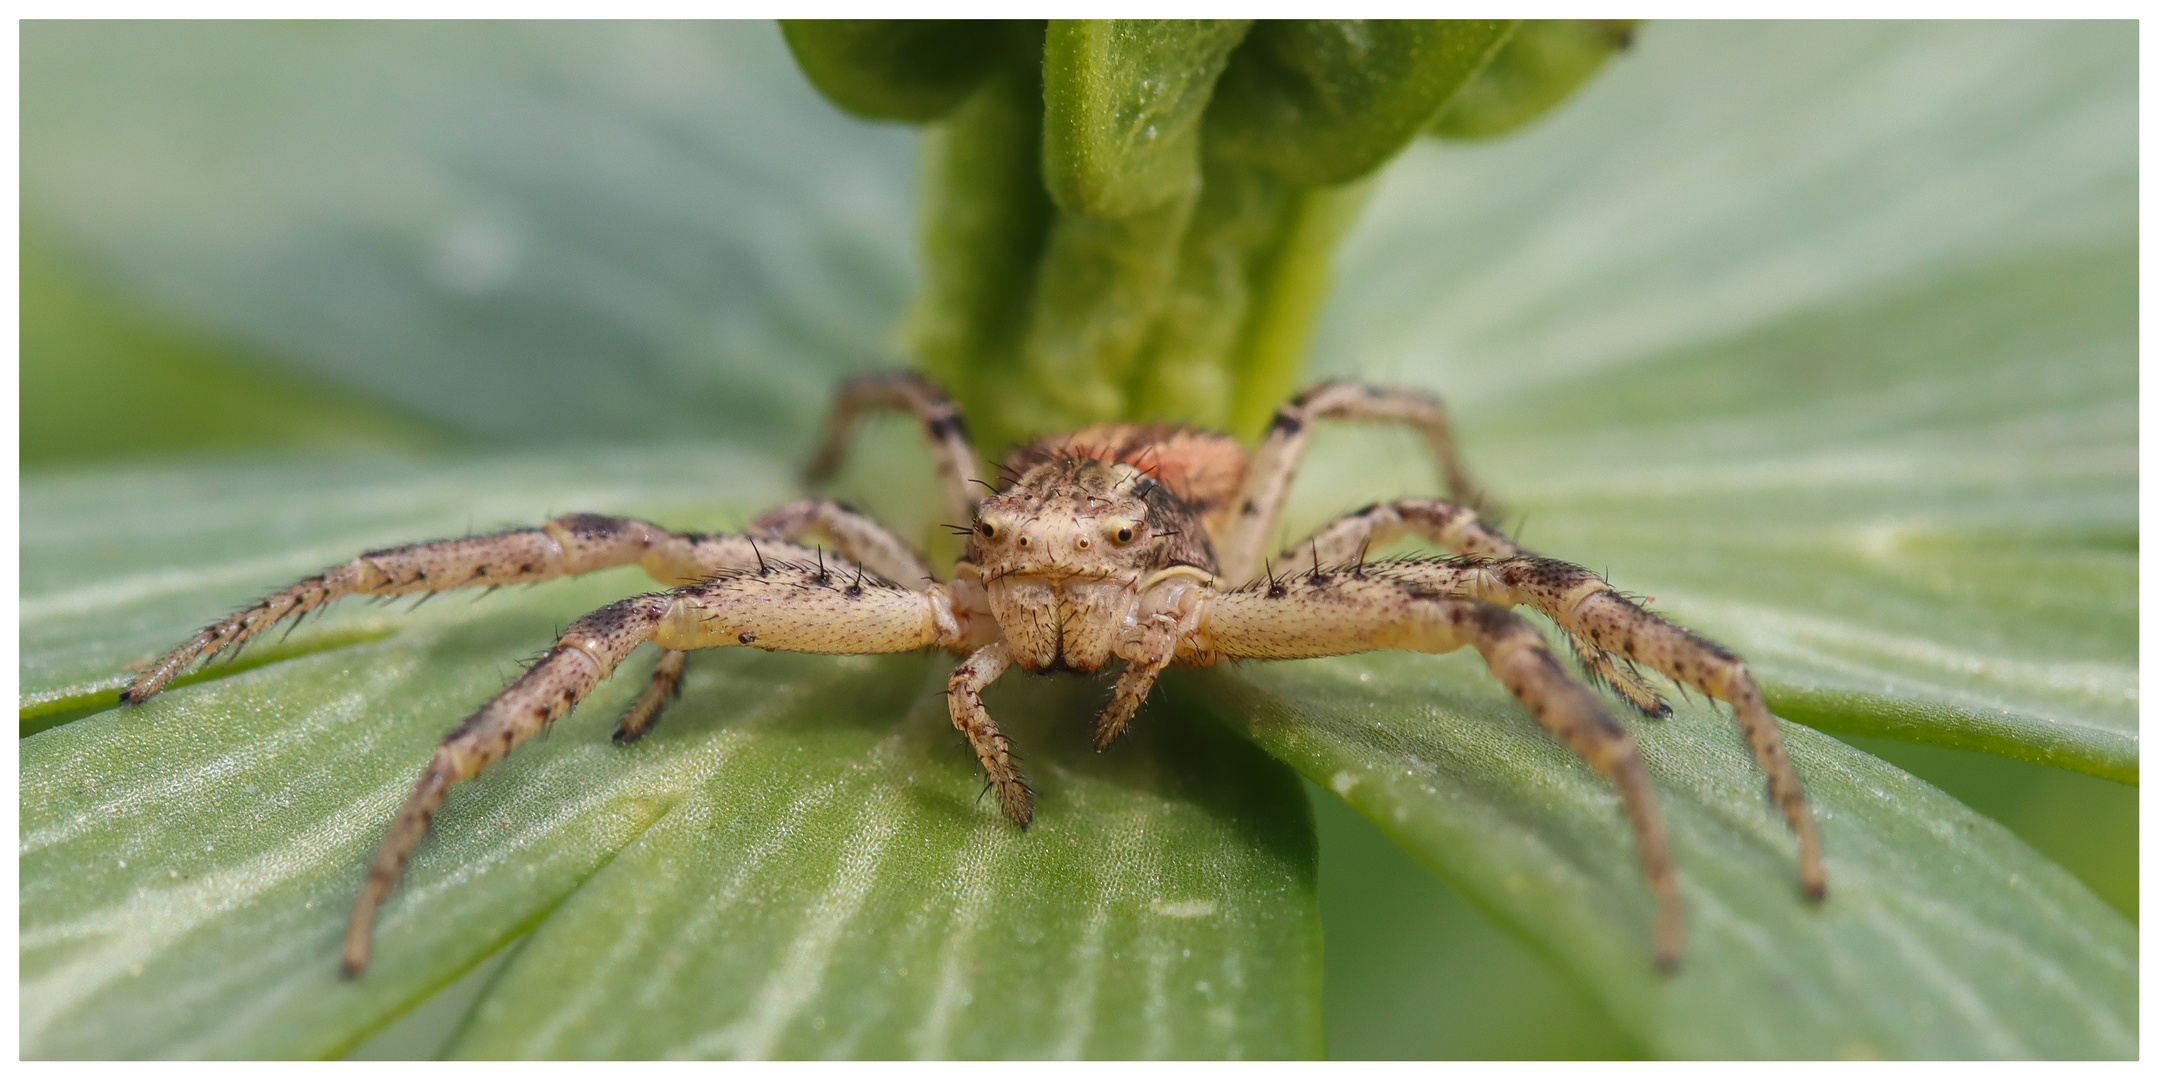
1872,425
1823,336
1544,60
1122,100
895,69
796,863
1326,101
1943,935
1866,417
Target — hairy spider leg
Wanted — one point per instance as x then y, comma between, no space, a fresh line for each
788,601
991,747
1460,530
958,470
1603,624
855,536
568,545
851,533
1266,482
666,685
1331,614
1158,638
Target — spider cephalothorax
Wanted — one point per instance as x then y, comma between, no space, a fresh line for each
1078,551
1131,543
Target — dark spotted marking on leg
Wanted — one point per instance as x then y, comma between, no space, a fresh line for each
592,526
948,425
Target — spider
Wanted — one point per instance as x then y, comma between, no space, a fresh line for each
1140,543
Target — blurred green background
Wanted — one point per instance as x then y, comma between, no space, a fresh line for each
261,241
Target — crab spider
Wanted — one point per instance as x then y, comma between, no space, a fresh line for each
1139,543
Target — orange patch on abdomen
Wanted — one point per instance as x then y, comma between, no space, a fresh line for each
1203,468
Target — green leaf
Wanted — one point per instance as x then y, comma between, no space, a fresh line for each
1122,101
985,219
1833,359
796,863
896,69
1325,101
1966,534
1881,447
160,387
1101,286
1228,346
1872,428
1544,61
1188,371
1943,935
1413,971
521,235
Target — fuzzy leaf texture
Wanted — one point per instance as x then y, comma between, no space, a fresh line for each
1849,388
896,69
1122,102
1538,66
1178,261
1326,101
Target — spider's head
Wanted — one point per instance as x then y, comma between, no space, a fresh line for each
1063,552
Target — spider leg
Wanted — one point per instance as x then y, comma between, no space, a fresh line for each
991,747
1273,465
586,653
854,535
788,603
568,545
942,425
666,685
1597,617
1331,614
1462,531
1158,639
572,544
1605,627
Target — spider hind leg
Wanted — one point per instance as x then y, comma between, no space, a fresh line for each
1622,678
665,686
1394,605
1611,632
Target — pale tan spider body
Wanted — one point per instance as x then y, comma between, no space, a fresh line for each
1077,555
1138,544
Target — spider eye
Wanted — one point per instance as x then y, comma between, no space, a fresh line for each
989,531
1123,531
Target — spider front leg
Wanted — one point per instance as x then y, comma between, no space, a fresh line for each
1168,616
942,425
573,544
853,535
1604,626
1460,530
1591,611
792,600
1352,611
1273,466
991,747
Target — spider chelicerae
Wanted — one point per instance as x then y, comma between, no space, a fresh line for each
1140,543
